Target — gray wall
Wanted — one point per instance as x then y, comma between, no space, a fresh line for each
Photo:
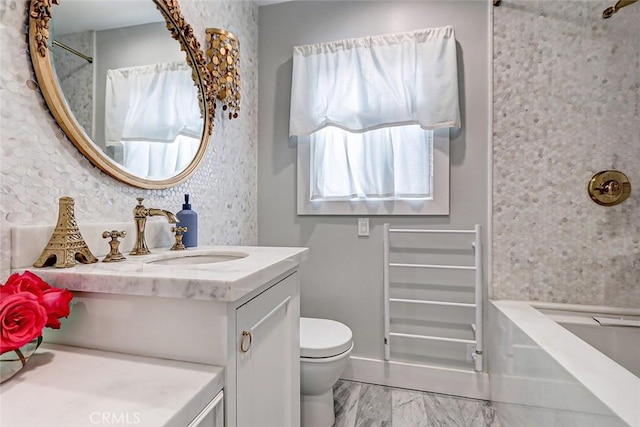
342,279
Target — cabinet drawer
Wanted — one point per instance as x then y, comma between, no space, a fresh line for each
212,415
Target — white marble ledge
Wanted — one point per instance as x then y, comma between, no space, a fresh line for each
223,281
73,387
613,385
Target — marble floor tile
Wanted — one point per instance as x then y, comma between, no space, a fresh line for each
367,405
345,399
487,416
374,406
442,411
408,409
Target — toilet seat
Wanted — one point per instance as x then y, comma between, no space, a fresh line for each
320,338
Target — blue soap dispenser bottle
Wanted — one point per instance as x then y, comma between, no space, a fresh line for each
188,218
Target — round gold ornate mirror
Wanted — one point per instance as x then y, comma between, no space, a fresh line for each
144,120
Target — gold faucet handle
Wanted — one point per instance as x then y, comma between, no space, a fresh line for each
114,254
139,211
179,230
113,234
178,245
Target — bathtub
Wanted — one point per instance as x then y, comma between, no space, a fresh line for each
553,365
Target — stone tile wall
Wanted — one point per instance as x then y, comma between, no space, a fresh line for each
75,75
566,105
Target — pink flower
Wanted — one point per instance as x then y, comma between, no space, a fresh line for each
24,298
21,319
56,303
26,282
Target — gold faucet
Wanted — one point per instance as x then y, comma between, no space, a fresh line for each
140,214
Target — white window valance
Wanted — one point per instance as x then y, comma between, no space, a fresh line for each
154,103
369,83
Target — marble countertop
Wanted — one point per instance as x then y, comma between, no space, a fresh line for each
74,387
223,281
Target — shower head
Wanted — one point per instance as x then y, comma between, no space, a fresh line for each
608,12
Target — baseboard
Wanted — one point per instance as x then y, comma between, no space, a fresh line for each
456,382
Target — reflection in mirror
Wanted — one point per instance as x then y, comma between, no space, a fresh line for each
125,43
136,99
152,120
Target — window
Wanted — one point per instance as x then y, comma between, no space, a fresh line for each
379,164
372,118
436,204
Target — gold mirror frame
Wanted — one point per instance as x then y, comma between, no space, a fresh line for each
39,16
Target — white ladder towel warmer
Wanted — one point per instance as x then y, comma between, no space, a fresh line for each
476,327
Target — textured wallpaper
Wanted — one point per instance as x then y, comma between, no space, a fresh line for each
566,105
38,164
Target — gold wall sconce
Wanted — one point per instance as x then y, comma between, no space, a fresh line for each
224,65
609,188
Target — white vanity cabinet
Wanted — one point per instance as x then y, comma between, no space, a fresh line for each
242,315
268,357
212,415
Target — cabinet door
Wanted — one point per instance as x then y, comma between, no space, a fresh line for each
212,415
268,358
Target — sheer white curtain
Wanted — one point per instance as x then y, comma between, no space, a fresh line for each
159,159
368,107
153,113
379,164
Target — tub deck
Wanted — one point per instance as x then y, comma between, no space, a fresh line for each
619,339
616,389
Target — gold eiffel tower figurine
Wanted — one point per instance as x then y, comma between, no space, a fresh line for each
66,244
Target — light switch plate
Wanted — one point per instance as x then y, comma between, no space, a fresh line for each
363,227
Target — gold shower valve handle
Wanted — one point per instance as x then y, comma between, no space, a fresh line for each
609,188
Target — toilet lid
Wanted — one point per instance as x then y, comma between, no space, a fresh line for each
323,337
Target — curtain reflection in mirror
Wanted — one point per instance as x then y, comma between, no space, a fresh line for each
153,123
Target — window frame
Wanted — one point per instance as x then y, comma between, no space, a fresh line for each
438,205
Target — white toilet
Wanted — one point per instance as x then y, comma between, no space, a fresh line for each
325,346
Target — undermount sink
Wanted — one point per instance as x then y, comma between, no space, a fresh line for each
196,259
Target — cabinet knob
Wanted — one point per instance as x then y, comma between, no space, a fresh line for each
245,344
